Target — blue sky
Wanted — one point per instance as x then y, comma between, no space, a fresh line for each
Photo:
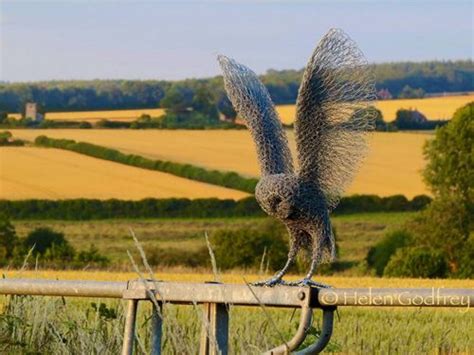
74,39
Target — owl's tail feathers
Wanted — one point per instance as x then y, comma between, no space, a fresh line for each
327,244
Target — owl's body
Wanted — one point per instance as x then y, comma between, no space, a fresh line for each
301,206
330,129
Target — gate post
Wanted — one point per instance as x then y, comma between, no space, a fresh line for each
215,329
129,333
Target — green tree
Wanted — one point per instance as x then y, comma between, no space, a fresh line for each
444,226
410,119
177,99
8,237
43,239
92,256
409,93
448,222
203,102
450,156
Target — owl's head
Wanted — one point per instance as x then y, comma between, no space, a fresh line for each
277,195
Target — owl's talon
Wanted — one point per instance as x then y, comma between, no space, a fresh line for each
308,282
270,283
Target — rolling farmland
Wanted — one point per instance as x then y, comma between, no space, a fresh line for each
393,166
434,108
56,174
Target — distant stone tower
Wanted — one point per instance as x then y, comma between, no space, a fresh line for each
31,111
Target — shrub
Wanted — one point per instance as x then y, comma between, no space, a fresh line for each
8,238
91,257
380,254
174,257
111,124
396,203
43,239
445,225
59,252
417,262
6,139
409,119
466,260
246,247
419,202
85,125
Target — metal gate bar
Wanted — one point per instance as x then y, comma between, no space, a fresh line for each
217,298
280,296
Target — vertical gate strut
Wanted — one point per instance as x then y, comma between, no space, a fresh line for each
129,332
156,329
215,326
215,329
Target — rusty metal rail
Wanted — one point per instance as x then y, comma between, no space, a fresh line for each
216,299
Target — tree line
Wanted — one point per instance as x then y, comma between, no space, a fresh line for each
90,209
403,79
406,119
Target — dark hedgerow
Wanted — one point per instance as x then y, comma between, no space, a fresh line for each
88,209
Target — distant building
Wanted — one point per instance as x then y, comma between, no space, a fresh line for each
31,111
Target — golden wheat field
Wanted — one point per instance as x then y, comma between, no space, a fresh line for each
393,166
94,116
27,172
434,108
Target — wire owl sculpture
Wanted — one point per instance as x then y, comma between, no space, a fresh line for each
331,126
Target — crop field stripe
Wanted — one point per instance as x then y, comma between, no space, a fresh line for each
225,179
28,172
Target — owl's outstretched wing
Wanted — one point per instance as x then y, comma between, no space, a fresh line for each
252,102
332,115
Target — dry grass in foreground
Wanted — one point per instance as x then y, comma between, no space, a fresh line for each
41,173
71,326
393,166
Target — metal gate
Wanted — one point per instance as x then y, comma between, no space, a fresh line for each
217,298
